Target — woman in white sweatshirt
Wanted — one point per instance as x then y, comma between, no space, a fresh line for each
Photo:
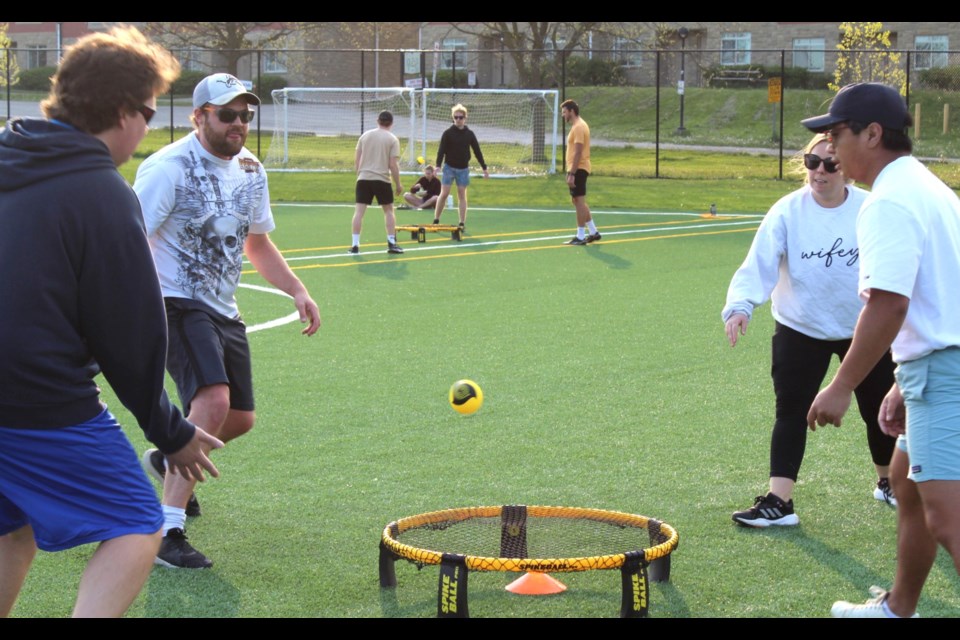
804,258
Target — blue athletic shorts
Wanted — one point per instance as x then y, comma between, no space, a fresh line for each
451,175
75,485
931,393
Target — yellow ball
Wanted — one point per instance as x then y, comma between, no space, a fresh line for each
420,159
466,396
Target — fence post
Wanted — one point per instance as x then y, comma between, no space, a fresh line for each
916,121
946,118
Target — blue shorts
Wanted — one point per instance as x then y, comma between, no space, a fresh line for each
931,393
451,175
75,485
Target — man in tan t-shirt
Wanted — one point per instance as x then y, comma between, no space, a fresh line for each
377,161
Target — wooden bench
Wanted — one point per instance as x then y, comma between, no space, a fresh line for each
736,75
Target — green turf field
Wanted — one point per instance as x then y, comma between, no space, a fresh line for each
608,384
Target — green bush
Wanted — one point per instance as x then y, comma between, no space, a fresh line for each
36,79
188,80
445,79
268,83
941,78
593,72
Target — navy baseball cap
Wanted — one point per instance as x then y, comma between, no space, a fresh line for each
863,102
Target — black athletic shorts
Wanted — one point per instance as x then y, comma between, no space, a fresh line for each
367,189
207,348
579,187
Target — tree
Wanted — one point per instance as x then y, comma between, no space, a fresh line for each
231,40
8,60
529,44
864,56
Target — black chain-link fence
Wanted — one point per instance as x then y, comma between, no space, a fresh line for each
656,104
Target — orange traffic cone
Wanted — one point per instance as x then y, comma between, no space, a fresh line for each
536,584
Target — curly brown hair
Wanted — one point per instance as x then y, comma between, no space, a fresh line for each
104,75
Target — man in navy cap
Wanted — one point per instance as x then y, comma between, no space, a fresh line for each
909,235
206,205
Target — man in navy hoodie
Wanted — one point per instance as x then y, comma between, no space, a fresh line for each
81,297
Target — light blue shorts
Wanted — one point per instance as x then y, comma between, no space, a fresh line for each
451,175
75,485
931,392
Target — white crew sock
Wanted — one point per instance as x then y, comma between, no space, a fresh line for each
173,518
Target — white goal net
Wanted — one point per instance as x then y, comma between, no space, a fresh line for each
317,129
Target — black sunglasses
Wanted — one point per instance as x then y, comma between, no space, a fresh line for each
459,117
227,116
812,161
146,112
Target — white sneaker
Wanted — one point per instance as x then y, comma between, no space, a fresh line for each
872,608
884,493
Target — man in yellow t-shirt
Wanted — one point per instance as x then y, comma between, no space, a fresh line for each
578,170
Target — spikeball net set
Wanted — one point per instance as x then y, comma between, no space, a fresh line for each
532,540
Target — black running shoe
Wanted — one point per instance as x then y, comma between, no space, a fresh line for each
177,553
766,511
576,241
154,465
593,237
354,249
393,248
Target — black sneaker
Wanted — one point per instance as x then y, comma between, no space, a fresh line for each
436,221
593,237
154,465
766,511
884,492
354,249
393,248
462,226
576,241
176,552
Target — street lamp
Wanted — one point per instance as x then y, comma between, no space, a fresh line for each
683,32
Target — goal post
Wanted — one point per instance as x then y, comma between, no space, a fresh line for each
316,129
516,129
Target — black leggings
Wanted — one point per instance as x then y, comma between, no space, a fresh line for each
799,366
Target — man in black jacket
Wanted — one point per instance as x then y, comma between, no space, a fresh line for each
80,297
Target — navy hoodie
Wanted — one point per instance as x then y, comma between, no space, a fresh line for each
79,292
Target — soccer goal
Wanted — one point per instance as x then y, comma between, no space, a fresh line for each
517,129
316,129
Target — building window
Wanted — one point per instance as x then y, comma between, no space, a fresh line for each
735,48
274,62
808,53
36,56
627,53
448,47
931,51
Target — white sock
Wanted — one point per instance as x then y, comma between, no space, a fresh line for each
580,233
173,518
356,239
392,239
592,227
886,609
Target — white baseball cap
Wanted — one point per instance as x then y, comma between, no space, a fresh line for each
219,89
